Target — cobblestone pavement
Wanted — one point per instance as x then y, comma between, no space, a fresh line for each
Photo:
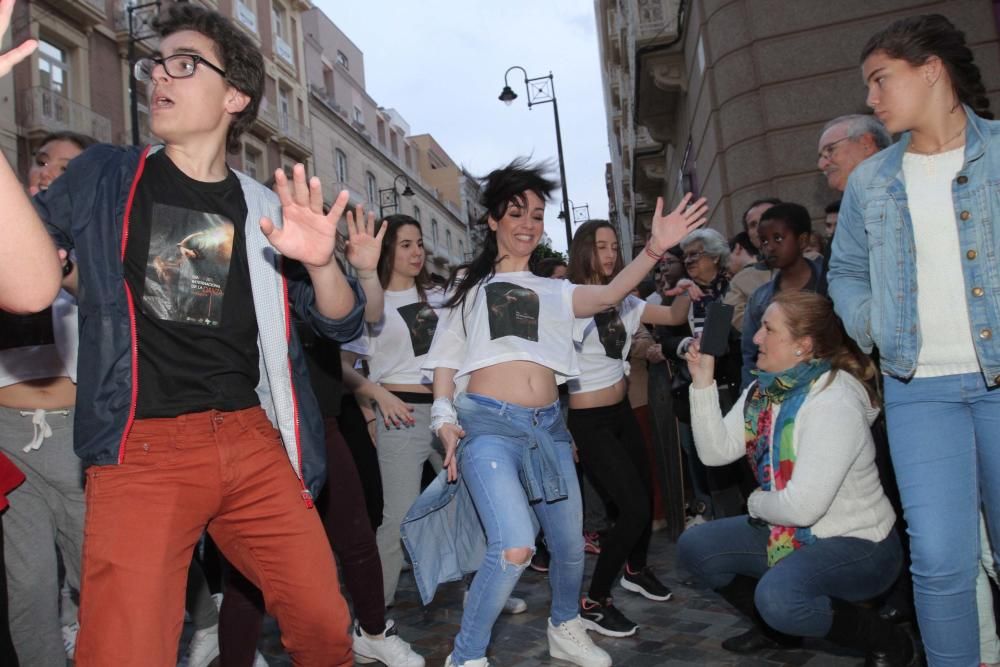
684,631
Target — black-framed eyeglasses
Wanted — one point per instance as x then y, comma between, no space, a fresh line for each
826,152
177,66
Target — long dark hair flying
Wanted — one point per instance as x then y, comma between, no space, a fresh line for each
583,269
388,256
501,189
917,38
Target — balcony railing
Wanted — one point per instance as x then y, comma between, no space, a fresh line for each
45,110
295,131
89,11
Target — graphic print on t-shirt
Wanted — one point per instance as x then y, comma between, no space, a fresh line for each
421,321
513,311
612,332
188,265
26,330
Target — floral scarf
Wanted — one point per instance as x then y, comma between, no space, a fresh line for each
789,390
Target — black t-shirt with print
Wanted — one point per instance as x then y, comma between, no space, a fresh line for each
186,265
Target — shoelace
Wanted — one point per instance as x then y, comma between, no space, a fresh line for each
42,429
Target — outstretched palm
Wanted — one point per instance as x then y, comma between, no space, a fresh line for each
306,234
19,52
669,230
363,249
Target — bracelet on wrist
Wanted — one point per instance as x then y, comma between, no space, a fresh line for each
649,252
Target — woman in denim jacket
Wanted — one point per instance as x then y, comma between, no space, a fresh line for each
503,342
915,273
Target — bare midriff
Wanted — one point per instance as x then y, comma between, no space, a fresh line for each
599,398
45,393
411,388
522,383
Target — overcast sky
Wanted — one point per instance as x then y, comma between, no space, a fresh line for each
440,64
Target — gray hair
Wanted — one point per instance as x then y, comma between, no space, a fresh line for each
860,124
712,242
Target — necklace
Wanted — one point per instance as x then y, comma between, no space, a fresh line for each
941,148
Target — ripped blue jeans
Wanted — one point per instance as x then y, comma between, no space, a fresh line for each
491,467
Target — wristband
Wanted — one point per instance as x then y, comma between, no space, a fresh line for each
442,412
649,253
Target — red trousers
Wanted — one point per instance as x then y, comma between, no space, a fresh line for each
226,471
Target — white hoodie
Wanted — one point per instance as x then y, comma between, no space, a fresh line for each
835,488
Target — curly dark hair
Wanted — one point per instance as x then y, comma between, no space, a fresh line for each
238,55
917,38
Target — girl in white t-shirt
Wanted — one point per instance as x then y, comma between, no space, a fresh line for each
395,347
505,340
606,432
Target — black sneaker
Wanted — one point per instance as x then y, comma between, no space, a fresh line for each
645,583
605,619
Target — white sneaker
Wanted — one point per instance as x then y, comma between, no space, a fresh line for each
69,633
479,662
386,648
259,661
569,641
204,647
512,606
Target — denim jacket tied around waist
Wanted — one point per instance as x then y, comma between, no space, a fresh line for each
441,531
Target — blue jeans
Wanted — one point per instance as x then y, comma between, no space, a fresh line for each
491,466
944,435
792,597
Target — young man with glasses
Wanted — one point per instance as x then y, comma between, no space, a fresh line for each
193,395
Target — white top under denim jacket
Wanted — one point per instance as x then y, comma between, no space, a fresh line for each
873,270
835,489
602,345
514,316
397,345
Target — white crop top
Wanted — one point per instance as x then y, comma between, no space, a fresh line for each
602,345
511,317
40,346
397,344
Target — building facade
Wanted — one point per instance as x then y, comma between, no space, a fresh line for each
727,98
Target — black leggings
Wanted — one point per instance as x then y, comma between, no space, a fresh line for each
611,451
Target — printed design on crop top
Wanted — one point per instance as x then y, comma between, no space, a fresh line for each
190,253
421,321
26,330
611,331
513,311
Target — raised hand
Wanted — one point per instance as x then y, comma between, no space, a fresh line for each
305,234
363,249
668,230
686,286
701,366
19,52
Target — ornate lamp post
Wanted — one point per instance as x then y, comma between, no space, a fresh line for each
389,197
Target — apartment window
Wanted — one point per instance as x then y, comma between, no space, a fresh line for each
53,67
359,117
447,240
252,162
328,81
246,14
343,61
381,131
393,143
278,16
406,156
434,232
461,250
416,213
341,161
372,188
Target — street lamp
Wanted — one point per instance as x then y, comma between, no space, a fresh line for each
540,90
581,213
133,39
389,197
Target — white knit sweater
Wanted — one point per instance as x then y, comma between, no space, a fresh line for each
835,488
